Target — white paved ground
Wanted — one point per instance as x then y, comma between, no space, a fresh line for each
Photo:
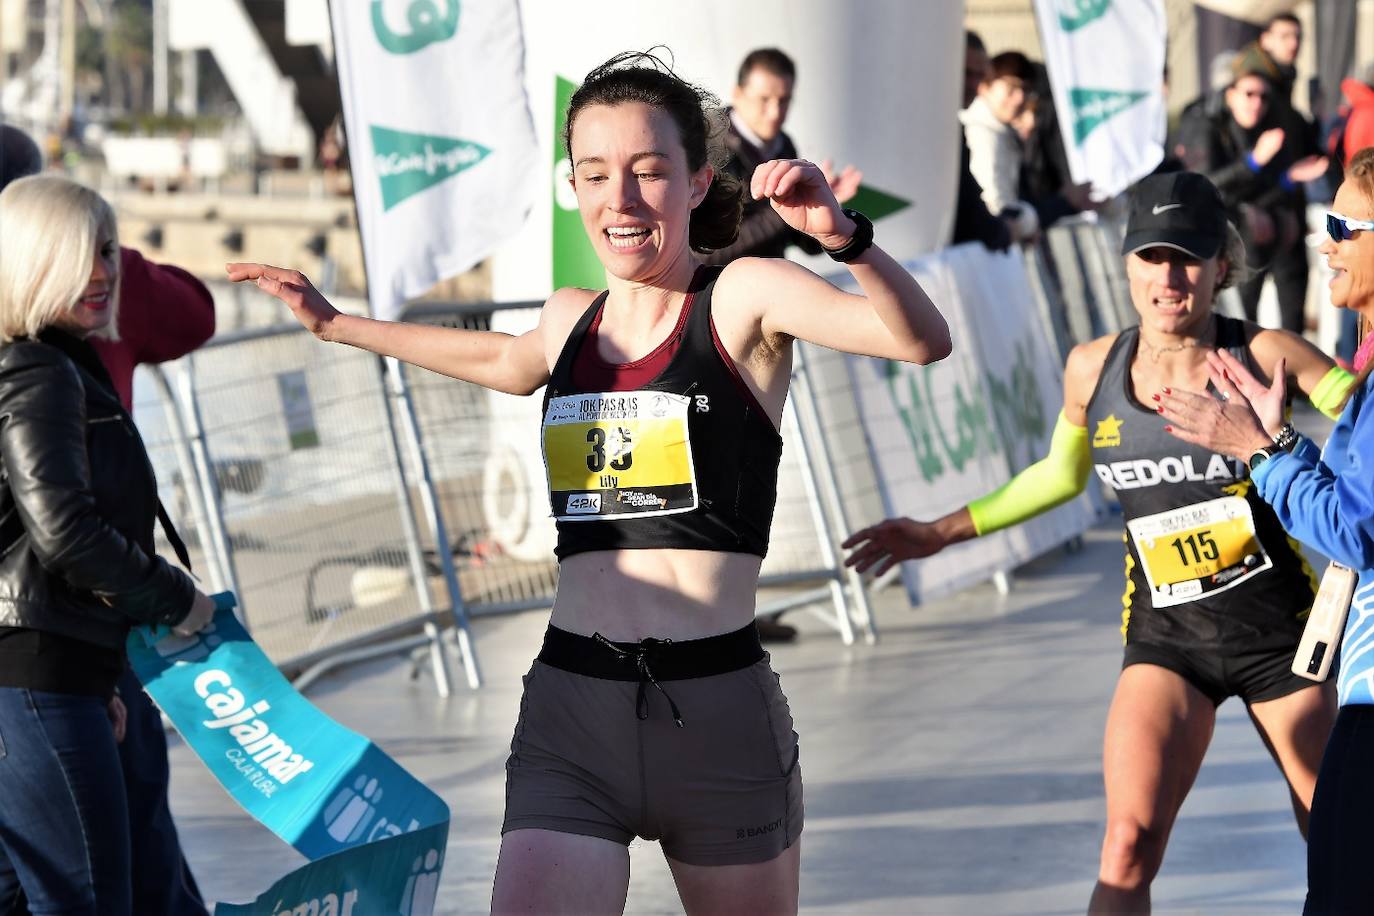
954,768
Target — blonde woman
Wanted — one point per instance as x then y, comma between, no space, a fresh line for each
77,568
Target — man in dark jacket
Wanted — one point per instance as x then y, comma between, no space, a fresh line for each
165,313
759,103
1244,150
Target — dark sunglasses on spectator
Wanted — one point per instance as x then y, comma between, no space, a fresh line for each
1341,228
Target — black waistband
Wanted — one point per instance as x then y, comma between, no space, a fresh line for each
668,660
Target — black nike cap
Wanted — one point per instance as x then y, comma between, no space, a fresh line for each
1180,210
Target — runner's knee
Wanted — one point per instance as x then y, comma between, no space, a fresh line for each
1131,853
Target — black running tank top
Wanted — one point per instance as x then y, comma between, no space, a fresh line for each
1207,562
684,461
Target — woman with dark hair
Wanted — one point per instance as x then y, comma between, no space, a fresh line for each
1326,498
652,710
1216,593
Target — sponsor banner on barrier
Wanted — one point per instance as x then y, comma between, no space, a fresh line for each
1106,64
376,835
945,434
440,170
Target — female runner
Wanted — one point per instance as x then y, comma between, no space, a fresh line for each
651,710
1216,592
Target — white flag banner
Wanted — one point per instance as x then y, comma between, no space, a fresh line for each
1106,64
440,136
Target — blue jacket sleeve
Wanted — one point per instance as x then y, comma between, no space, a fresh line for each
1332,510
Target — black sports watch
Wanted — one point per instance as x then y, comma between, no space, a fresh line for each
858,243
1261,455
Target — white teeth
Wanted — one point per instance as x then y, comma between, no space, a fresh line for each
625,231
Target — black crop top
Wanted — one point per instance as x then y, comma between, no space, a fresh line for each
687,460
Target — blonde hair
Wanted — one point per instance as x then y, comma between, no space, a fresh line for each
51,229
1233,253
1360,172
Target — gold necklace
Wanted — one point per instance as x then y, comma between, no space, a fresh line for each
1201,342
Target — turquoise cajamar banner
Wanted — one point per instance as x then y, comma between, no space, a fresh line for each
374,834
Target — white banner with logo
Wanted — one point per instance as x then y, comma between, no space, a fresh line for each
945,434
440,136
1106,64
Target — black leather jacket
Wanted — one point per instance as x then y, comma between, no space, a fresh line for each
78,501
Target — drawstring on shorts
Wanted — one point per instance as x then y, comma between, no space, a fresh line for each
640,656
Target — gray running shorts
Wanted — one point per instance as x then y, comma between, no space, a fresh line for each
598,751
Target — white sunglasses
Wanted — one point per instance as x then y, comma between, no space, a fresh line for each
1341,228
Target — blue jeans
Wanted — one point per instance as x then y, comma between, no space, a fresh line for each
64,824
162,881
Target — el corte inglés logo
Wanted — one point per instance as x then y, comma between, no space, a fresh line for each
427,25
1074,14
410,163
1092,107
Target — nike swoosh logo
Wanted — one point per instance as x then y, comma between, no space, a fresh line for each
1160,208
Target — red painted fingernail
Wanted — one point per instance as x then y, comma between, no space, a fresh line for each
1168,429
1168,391
1155,397
1159,409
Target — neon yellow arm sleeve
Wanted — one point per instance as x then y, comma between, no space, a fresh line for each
1329,395
1057,478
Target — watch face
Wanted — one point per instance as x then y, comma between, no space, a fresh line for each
1259,456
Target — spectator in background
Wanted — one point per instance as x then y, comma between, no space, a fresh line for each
1355,129
1280,43
996,156
994,149
972,221
1243,151
1194,122
758,109
79,568
164,314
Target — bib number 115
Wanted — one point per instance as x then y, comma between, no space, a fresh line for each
1201,545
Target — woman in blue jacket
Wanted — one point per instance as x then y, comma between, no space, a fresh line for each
1326,499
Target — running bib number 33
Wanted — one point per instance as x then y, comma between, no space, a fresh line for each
1198,550
622,453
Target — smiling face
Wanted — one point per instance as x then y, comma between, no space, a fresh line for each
93,310
1352,260
1171,290
1005,97
634,188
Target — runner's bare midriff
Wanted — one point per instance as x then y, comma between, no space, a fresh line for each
627,595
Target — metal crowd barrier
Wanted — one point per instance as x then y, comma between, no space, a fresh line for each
357,506
1079,281
303,476
283,459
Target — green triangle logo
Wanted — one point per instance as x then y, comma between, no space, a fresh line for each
1091,107
410,163
876,204
1074,14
